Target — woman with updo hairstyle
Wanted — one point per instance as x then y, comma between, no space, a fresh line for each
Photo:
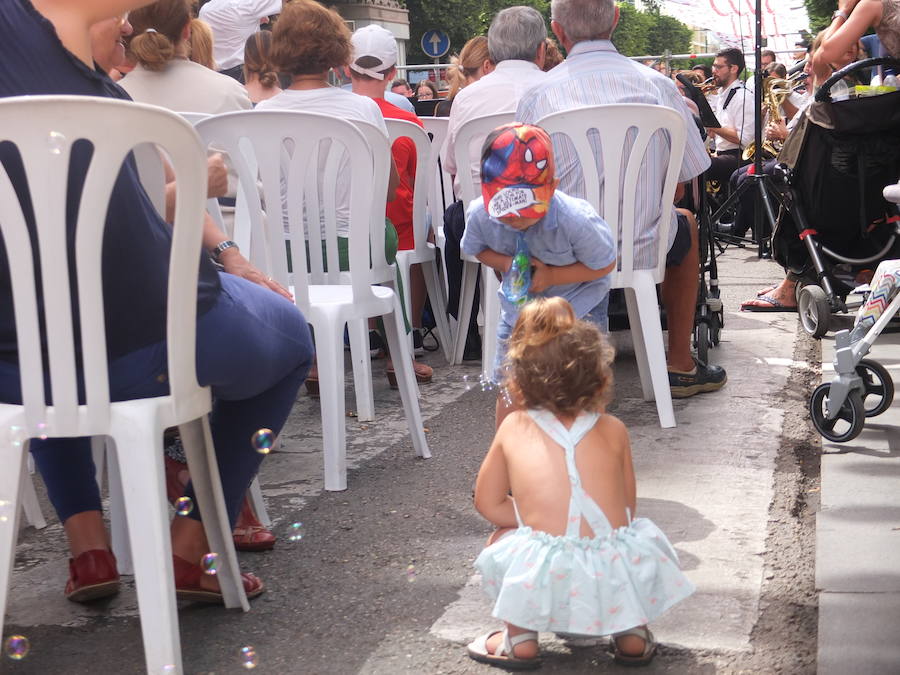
164,75
473,63
260,77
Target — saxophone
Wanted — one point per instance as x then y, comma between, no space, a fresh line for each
775,92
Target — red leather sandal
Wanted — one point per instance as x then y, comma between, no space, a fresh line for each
187,583
92,575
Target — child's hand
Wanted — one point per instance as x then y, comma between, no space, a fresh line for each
541,276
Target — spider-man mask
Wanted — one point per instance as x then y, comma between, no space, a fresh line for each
517,171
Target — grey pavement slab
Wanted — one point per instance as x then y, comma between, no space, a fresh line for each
858,539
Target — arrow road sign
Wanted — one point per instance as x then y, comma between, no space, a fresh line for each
435,43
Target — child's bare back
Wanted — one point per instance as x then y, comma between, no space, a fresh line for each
539,481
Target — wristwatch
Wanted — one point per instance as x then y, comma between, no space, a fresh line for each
221,247
840,13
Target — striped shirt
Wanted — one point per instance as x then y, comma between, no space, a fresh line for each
596,74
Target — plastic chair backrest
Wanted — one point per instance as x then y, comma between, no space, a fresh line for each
424,174
441,193
474,130
44,128
625,133
299,158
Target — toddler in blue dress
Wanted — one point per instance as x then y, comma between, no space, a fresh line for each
568,557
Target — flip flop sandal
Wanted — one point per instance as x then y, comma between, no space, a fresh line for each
632,660
774,305
503,656
765,291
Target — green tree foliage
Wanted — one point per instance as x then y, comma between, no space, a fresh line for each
650,32
820,12
460,19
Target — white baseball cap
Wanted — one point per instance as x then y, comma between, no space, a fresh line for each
374,51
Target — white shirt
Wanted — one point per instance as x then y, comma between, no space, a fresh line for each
496,92
342,104
185,86
596,74
232,22
738,115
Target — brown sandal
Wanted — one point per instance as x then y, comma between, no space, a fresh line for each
424,374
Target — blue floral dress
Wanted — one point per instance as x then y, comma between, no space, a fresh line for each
599,585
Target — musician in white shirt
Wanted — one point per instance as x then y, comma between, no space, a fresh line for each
232,22
734,110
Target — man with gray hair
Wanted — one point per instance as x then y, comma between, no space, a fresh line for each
595,74
516,47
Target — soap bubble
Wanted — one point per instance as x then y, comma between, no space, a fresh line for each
469,381
248,657
210,564
295,532
169,670
184,506
411,573
17,647
56,142
263,440
42,431
16,436
5,510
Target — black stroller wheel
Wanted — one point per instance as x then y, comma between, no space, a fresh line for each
849,421
701,341
879,386
815,310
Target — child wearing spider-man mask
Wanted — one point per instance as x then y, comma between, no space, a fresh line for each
571,247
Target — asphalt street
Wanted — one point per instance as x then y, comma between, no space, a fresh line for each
382,579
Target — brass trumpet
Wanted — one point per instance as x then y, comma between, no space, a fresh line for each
708,86
775,92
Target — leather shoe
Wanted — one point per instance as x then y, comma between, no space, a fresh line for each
187,583
92,575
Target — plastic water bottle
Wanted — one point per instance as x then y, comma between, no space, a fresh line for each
840,91
517,281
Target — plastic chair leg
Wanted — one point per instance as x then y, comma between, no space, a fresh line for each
435,288
406,379
362,370
464,313
648,310
143,480
331,398
118,522
259,503
12,479
491,307
201,457
30,504
637,341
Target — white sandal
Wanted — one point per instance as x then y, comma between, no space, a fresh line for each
635,659
503,656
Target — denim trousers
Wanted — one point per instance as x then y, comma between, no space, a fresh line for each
254,350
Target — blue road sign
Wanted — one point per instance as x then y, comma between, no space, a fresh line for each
435,43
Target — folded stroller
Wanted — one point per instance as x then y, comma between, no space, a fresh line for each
835,226
861,387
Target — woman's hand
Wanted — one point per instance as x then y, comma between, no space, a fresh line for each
235,263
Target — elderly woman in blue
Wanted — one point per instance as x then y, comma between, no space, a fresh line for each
571,248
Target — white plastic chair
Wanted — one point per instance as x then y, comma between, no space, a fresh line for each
424,252
619,180
440,196
329,299
44,129
469,139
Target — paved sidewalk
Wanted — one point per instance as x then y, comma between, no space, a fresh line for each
858,539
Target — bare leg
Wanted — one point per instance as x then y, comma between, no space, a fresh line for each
679,294
189,543
86,532
418,294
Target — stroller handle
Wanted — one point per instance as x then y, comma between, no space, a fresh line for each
824,93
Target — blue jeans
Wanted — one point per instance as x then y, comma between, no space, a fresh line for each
254,350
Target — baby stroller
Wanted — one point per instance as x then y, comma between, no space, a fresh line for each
834,223
861,387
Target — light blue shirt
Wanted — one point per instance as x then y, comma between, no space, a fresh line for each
594,73
398,100
570,232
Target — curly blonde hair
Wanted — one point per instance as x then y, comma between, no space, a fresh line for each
308,39
557,362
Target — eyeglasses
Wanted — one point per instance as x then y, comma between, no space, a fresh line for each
719,66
